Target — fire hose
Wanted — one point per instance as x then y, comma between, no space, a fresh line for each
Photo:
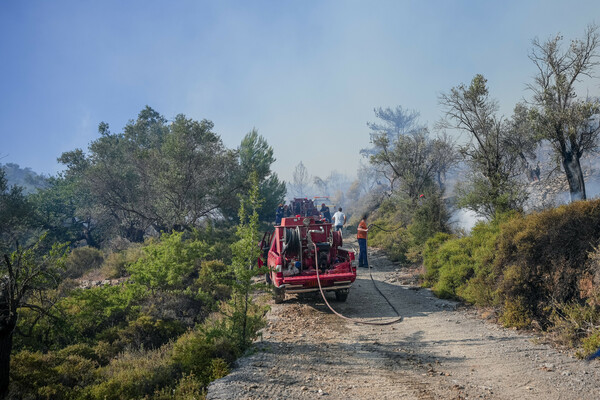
399,319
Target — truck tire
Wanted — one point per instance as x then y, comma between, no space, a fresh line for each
341,295
278,295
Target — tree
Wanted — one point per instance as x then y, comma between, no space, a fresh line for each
16,213
410,160
403,152
491,154
256,155
25,277
394,122
154,174
571,125
244,315
300,180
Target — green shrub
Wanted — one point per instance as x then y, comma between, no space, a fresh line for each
213,282
395,242
430,217
461,268
144,332
187,388
50,376
90,311
590,344
515,313
168,262
81,260
432,258
195,352
115,263
547,253
134,375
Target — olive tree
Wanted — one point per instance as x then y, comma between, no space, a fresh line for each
26,274
491,150
569,123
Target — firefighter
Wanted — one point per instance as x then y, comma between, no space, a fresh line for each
325,212
361,235
279,214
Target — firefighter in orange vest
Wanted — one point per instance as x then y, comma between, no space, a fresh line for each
362,242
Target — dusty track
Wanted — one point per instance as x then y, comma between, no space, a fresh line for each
436,352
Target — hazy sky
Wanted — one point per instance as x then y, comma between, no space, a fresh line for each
307,74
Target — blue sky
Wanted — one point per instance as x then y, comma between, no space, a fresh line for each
307,74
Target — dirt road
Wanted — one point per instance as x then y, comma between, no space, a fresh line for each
436,352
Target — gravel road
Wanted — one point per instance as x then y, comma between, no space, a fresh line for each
438,351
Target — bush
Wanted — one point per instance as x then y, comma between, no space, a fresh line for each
81,260
460,268
115,264
168,262
395,242
134,375
144,332
196,351
547,256
213,282
52,375
90,311
187,388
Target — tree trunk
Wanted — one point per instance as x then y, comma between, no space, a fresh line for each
574,174
5,349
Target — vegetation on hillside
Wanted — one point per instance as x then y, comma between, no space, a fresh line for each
130,275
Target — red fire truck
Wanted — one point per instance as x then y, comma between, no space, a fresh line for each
300,246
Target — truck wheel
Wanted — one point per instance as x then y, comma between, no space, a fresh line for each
341,295
278,295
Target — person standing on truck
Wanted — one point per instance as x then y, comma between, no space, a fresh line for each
339,219
361,235
325,212
279,214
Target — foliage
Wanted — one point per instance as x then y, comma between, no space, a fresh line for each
493,151
83,259
540,267
90,311
15,214
154,174
55,375
168,261
547,252
402,226
256,155
570,124
403,152
134,375
203,354
242,315
460,267
115,263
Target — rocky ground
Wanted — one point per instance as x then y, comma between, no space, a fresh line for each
439,350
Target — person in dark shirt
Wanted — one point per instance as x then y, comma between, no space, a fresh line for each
279,214
325,212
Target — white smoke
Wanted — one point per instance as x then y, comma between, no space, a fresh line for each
464,220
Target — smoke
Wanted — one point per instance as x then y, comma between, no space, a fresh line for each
464,220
